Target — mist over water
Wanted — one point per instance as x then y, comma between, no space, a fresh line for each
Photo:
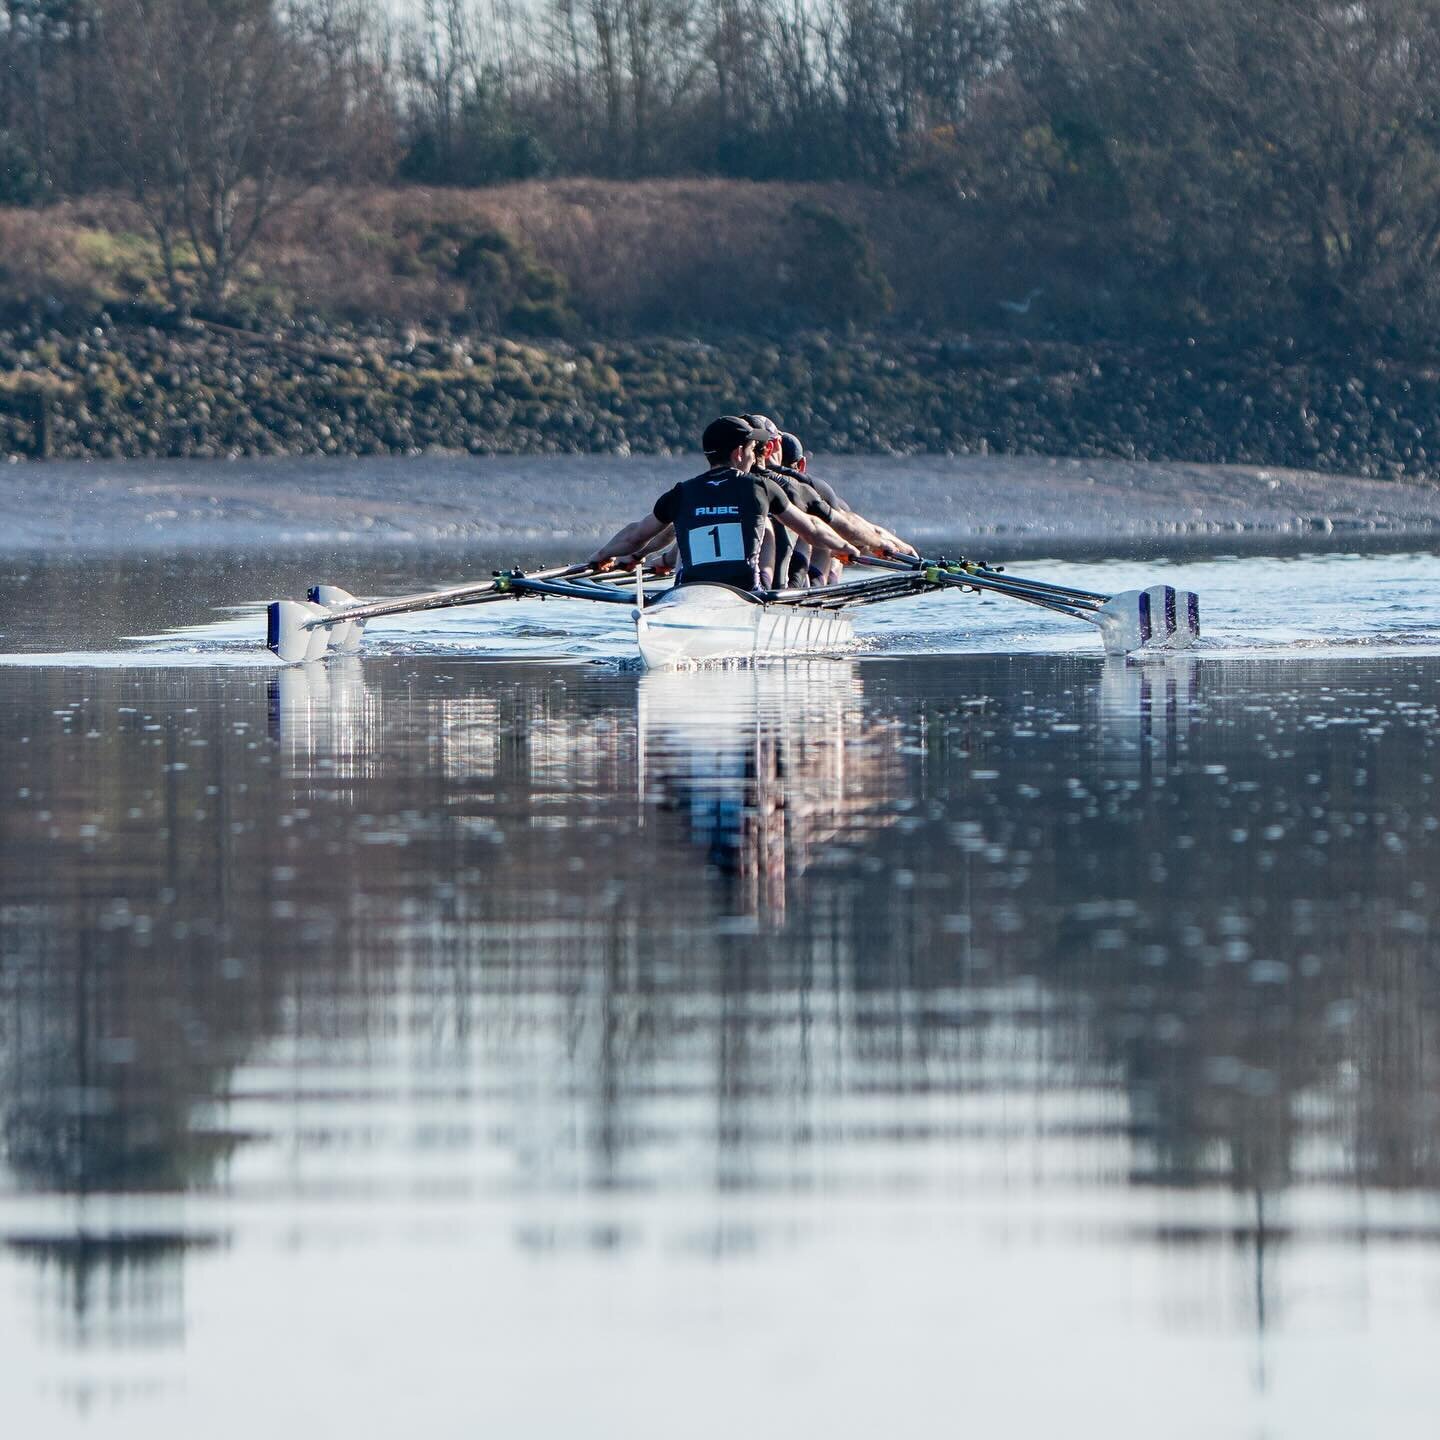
555,1048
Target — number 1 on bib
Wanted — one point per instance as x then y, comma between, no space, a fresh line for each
705,545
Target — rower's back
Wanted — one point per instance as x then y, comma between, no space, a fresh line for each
791,554
719,519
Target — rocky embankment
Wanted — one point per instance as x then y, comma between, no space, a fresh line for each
199,390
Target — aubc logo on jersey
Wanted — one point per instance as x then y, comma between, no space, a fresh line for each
717,509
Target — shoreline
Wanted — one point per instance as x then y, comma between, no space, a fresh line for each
999,507
188,389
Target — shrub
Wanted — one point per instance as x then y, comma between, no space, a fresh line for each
833,274
506,286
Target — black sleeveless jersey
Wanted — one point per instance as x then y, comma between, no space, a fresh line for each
719,519
823,488
792,553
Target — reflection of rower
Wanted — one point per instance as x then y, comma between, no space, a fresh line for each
718,761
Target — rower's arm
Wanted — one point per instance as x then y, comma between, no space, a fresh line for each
874,538
635,539
816,531
897,545
665,538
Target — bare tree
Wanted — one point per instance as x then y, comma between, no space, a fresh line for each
904,67
441,56
44,100
1219,160
219,116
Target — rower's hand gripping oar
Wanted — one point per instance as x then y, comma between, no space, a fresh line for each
1159,616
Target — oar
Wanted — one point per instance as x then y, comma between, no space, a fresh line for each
999,576
965,579
332,619
443,599
1131,620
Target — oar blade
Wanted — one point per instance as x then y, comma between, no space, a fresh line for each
287,631
345,637
1160,617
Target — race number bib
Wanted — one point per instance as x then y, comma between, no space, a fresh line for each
706,544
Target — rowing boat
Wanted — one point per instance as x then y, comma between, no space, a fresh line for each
703,622
693,624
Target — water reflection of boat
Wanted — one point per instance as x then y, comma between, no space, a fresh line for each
760,765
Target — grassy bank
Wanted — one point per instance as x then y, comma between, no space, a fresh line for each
673,256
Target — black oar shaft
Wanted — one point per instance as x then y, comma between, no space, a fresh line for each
604,594
478,593
1023,589
1013,586
1060,590
982,571
985,578
1062,607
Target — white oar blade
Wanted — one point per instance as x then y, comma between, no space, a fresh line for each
286,633
1161,617
345,637
1187,631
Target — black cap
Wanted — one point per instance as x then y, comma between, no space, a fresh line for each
723,435
791,449
765,423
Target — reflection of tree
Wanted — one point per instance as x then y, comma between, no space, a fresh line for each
1233,901
1064,869
113,1291
132,967
883,924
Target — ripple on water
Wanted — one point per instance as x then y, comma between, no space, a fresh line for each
401,1011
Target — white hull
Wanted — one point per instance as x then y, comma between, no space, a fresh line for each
696,623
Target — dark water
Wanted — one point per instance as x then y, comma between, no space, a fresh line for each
1026,1043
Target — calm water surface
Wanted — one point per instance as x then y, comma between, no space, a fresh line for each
966,1034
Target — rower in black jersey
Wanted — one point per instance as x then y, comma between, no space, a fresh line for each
722,518
779,550
795,561
807,567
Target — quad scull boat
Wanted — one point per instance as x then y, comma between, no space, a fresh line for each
679,625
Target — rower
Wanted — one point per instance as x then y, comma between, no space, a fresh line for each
721,517
793,565
793,460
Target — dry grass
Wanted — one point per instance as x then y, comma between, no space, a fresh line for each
669,256
45,257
